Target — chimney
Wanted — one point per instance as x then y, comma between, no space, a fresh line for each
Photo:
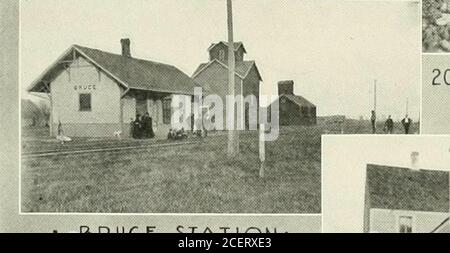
285,87
415,160
126,47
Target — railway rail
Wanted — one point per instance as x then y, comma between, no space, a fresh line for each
109,146
103,149
117,145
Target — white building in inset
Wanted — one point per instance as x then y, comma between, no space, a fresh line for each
406,200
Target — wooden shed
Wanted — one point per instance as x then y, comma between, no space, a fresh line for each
294,109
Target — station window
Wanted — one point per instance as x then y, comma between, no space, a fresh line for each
166,111
405,224
85,102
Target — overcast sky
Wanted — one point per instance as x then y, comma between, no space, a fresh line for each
333,50
344,171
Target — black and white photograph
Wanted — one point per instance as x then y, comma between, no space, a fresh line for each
399,184
217,108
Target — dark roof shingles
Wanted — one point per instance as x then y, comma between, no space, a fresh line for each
199,68
142,74
299,100
242,68
406,189
235,44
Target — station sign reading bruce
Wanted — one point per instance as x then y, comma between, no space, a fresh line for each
84,87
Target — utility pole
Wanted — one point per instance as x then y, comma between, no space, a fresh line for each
374,112
233,138
407,105
375,96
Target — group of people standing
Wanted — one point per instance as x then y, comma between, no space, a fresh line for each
142,127
389,124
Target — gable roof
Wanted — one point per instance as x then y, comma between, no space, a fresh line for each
299,100
200,68
242,70
132,73
237,45
406,189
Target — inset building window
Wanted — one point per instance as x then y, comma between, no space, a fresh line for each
405,224
85,102
167,111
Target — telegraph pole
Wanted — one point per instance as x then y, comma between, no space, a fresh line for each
233,138
407,105
375,96
374,115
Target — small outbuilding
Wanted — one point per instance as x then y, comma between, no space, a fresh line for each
294,109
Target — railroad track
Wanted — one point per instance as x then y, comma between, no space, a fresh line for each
104,149
116,146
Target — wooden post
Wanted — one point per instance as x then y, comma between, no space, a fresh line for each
262,149
233,142
50,123
121,122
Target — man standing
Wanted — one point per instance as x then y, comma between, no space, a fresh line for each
406,122
373,120
389,125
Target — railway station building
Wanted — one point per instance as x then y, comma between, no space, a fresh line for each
94,93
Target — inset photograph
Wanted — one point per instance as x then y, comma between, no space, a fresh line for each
399,184
436,26
436,94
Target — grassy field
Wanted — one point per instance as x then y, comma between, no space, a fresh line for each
196,178
352,126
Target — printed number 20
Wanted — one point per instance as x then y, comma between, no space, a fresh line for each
438,73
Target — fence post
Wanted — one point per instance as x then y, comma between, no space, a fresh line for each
262,149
